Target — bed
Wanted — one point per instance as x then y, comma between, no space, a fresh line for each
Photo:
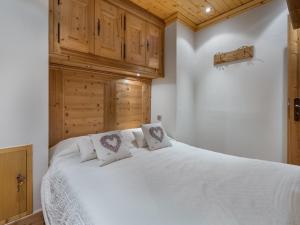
177,185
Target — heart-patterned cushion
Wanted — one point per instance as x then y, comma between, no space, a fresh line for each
110,147
157,133
111,142
155,136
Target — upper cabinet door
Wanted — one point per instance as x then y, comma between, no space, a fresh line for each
135,38
154,46
74,24
108,30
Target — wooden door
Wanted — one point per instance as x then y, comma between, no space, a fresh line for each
293,95
75,29
135,38
16,183
154,46
109,31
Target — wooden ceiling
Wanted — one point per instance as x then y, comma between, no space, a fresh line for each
294,8
192,12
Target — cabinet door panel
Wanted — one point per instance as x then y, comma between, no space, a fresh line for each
135,40
75,30
15,188
109,32
154,46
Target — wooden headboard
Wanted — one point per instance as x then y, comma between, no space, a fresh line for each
84,102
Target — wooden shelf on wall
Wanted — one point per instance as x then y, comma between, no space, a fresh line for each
245,52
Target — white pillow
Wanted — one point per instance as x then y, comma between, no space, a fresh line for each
110,147
140,139
86,149
155,136
63,148
128,137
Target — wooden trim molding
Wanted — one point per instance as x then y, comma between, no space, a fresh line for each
34,219
181,18
234,12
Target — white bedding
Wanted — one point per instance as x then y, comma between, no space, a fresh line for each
178,185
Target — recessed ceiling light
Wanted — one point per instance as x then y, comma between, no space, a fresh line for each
208,9
138,74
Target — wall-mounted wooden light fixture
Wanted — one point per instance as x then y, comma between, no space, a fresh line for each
294,9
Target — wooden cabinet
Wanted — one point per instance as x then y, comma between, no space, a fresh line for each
16,183
74,24
108,30
106,35
143,42
135,39
154,46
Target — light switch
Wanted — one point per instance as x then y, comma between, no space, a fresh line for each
159,117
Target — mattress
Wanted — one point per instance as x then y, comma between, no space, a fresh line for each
178,185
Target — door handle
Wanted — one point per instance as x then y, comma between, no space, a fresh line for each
297,109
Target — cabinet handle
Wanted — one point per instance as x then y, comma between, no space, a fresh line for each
124,51
98,27
20,181
58,33
124,22
148,45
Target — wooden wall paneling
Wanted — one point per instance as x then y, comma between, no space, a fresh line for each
135,40
128,103
294,9
293,92
147,101
154,46
55,106
75,24
108,30
89,102
51,26
15,197
85,104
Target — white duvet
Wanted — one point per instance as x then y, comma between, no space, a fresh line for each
178,185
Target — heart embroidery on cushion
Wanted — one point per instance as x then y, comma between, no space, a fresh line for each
111,142
157,133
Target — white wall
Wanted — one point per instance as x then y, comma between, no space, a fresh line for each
239,108
24,81
185,92
164,90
